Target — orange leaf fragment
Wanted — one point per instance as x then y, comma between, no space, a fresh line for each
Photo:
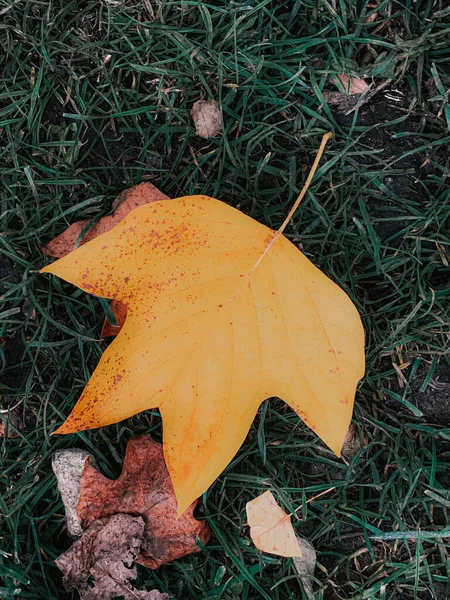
128,200
270,527
223,313
143,489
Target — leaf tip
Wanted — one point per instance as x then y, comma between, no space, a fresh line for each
182,507
52,268
65,428
337,447
58,431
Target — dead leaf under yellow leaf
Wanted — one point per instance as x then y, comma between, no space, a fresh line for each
270,527
222,313
65,243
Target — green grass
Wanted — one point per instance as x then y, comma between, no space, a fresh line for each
95,97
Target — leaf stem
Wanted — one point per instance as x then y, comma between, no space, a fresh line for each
323,143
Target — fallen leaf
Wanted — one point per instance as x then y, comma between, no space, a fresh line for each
65,243
353,85
68,465
143,488
10,423
342,102
270,527
305,565
207,118
223,313
371,18
127,201
105,553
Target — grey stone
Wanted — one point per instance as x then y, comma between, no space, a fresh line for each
68,467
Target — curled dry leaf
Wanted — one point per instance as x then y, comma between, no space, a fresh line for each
270,527
65,243
105,553
223,313
207,118
143,488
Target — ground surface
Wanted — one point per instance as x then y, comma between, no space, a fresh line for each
95,97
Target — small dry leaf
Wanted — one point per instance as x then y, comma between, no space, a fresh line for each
342,101
10,423
105,553
144,489
207,118
126,201
353,85
270,527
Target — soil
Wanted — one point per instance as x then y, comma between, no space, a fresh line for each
431,400
380,110
118,146
434,400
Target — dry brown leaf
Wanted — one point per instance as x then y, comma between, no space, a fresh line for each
106,552
126,201
10,423
353,85
270,527
143,488
207,118
371,18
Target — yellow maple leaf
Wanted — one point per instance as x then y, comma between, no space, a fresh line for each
270,527
223,313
